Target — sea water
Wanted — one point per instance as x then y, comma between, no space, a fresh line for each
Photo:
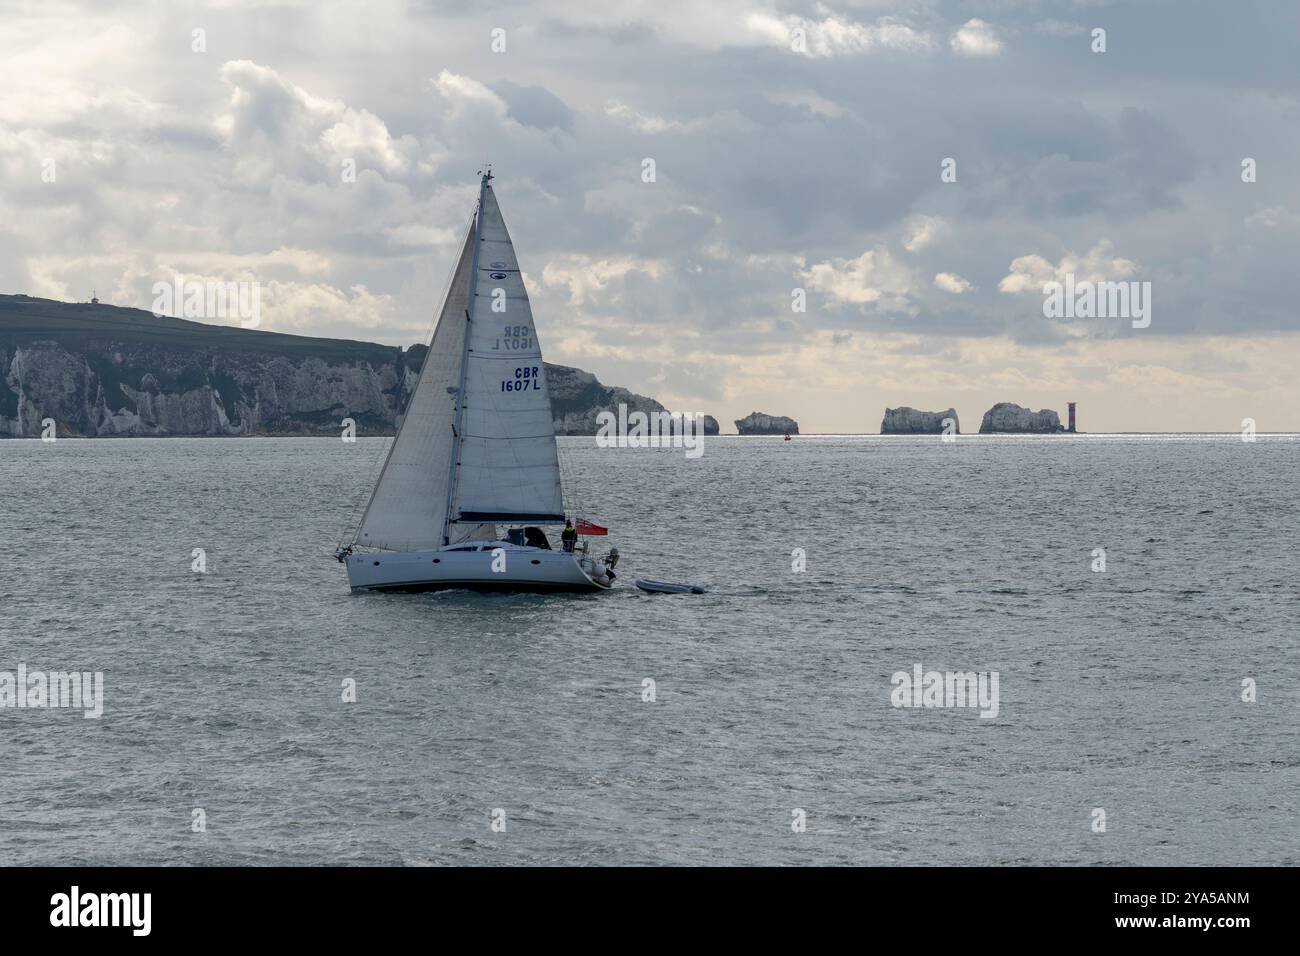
254,711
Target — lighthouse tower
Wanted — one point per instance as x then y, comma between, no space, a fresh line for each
1071,406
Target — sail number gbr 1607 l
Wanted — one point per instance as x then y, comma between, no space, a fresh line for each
525,380
515,338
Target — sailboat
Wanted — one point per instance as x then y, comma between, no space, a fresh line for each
475,452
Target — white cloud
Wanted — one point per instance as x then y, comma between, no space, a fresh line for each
951,282
1272,217
642,122
873,278
975,38
272,125
322,309
420,235
815,103
923,230
61,276
464,94
1029,273
835,36
41,84
587,278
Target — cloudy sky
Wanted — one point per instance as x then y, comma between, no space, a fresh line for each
796,145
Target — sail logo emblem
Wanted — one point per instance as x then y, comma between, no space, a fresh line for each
497,275
497,265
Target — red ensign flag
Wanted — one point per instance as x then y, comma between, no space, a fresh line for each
583,526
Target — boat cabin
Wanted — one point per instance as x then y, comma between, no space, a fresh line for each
528,537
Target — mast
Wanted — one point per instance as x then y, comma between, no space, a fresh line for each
486,175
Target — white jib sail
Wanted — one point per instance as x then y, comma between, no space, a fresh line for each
407,510
508,468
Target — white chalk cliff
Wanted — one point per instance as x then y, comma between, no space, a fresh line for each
1011,418
910,421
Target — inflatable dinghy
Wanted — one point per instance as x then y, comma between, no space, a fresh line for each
663,587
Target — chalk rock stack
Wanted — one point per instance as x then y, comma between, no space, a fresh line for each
757,423
1009,418
910,421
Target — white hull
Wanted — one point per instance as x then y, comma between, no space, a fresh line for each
521,569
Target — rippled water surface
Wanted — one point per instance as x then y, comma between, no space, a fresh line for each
1118,690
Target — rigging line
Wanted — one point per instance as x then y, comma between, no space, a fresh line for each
566,481
571,492
351,529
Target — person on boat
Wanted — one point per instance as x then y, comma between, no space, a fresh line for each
568,537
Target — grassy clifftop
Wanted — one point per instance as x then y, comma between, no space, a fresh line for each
80,325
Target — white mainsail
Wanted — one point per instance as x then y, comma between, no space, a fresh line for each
408,509
508,469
